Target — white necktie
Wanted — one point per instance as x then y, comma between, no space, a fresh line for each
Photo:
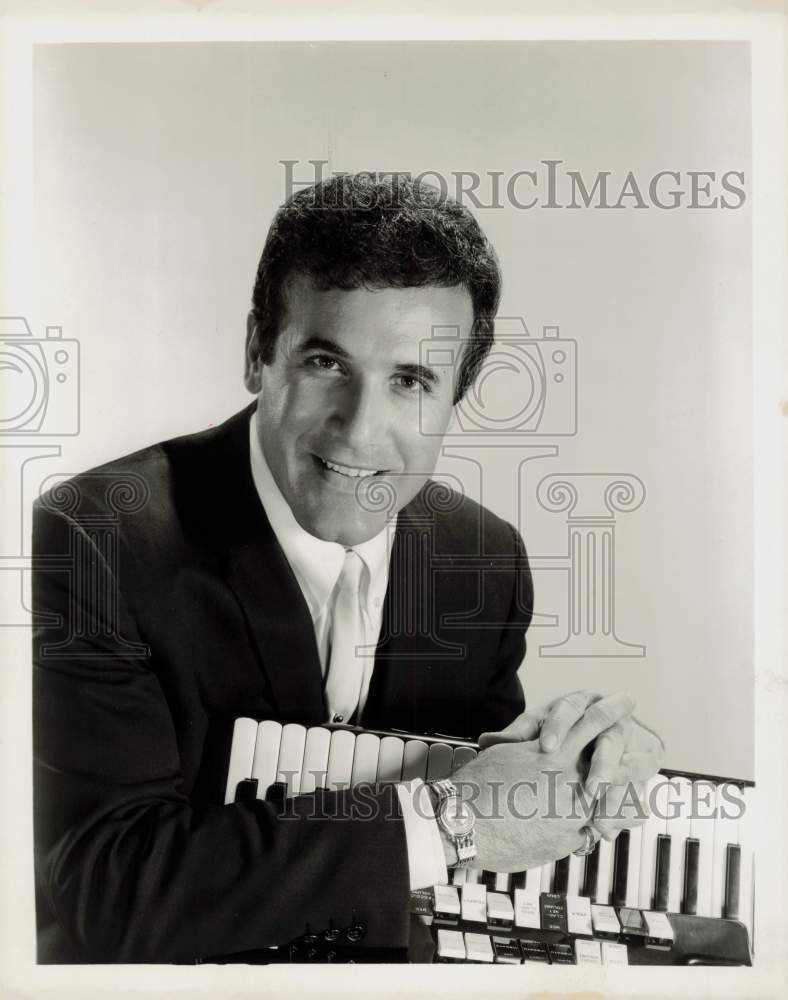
346,666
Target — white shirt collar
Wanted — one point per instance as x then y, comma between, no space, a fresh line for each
315,562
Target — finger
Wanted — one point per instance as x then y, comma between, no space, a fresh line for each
598,717
619,807
525,727
606,759
643,728
641,766
562,715
637,767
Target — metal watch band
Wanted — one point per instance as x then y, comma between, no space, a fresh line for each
444,788
464,844
466,851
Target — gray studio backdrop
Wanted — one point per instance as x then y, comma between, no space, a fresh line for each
158,168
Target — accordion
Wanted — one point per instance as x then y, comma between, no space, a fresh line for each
676,890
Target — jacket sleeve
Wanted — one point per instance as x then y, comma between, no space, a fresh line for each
129,869
505,699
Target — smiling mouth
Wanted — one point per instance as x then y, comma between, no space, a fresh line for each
348,470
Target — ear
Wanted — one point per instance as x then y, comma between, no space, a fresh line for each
252,362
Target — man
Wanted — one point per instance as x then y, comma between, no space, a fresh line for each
250,571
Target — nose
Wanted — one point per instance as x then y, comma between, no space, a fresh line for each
358,417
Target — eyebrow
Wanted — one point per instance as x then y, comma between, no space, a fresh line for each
332,347
323,344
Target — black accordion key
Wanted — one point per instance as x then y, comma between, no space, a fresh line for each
488,879
591,876
276,795
620,866
662,881
246,790
730,906
518,880
692,850
561,876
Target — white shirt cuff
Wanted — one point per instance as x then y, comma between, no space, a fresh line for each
426,857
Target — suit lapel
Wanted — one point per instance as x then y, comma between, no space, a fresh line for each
280,622
406,635
419,661
260,576
391,697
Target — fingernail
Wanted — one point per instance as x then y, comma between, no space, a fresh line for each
550,742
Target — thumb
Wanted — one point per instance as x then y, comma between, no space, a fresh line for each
525,727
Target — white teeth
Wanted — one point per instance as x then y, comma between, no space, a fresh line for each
346,470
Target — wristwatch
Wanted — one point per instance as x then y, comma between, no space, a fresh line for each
456,819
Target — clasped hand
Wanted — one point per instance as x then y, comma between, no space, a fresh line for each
623,756
581,760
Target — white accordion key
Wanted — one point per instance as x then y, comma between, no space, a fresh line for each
747,830
574,879
533,880
390,759
365,759
340,760
604,873
614,953
502,882
547,872
315,769
478,947
678,827
588,952
451,946
463,755
633,866
459,876
241,756
526,907
702,828
291,757
439,761
726,831
414,760
266,755
655,825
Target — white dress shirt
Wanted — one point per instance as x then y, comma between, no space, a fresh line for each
316,565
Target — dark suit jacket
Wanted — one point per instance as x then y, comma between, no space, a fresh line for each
165,608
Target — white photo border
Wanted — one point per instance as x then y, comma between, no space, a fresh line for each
24,26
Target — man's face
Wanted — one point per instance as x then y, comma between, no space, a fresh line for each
347,413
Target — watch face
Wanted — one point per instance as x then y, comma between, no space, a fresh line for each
457,817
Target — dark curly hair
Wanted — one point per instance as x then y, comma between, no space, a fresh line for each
378,231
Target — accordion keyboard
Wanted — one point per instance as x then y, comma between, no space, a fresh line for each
678,888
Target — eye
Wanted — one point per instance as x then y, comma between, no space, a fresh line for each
412,383
323,362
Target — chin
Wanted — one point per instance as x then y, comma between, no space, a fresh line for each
351,536
344,531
